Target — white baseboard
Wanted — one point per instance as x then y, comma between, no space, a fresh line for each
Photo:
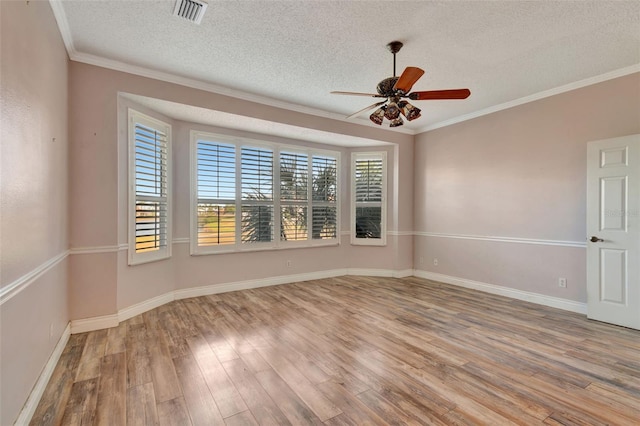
403,273
30,406
142,307
391,273
108,321
540,299
264,282
95,323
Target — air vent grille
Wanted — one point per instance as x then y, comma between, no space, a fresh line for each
193,10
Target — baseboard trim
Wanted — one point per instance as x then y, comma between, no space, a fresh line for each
108,321
35,396
249,284
95,323
147,305
404,273
540,299
391,273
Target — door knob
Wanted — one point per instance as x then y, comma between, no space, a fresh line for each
595,239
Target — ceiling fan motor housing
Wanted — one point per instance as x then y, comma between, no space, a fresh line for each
396,88
385,87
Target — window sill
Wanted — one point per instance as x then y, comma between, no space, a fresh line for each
287,246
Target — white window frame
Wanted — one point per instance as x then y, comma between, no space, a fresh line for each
194,136
163,252
240,201
277,148
382,241
307,202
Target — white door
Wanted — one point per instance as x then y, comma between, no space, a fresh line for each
613,231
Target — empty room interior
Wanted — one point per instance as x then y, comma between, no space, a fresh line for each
320,212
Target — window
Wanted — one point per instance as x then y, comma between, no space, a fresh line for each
149,192
325,198
294,196
369,194
216,205
257,195
250,195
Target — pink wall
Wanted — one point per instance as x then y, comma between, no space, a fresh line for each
33,211
98,170
518,173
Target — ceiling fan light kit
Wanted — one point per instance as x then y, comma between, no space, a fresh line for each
378,115
396,122
392,111
409,111
396,88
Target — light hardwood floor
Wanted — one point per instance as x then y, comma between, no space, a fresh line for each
352,351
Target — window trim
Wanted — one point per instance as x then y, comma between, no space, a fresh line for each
193,191
277,148
373,155
135,258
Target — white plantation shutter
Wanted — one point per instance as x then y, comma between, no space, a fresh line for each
294,196
216,193
262,196
325,204
369,180
369,194
257,195
149,193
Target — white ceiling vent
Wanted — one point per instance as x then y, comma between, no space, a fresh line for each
193,10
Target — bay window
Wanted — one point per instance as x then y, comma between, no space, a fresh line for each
368,198
149,188
249,195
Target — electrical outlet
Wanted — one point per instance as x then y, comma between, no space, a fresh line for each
288,264
421,260
435,262
562,282
50,330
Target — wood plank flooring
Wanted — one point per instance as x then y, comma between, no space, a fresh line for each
349,351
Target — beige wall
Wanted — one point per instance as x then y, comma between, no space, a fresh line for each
33,208
518,173
98,195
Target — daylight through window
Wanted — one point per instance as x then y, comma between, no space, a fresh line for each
149,229
247,196
368,198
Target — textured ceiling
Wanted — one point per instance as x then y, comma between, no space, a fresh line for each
293,53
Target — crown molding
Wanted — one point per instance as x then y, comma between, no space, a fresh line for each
536,96
74,55
214,88
63,26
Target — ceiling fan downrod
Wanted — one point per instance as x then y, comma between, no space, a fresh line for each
396,89
394,47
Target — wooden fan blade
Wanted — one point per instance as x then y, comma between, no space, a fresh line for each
372,95
440,94
408,79
367,109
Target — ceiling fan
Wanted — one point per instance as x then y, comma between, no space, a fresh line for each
396,89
